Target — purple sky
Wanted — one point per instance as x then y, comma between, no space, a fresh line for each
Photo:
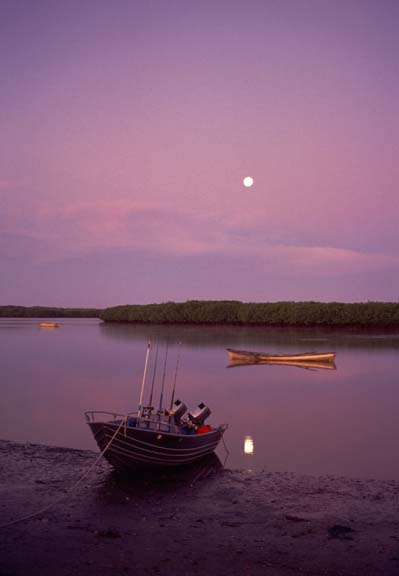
126,129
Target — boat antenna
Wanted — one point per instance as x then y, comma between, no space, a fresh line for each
174,382
143,382
153,374
163,377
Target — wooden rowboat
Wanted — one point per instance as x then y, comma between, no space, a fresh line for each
258,357
327,365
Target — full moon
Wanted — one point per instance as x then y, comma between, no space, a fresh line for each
248,181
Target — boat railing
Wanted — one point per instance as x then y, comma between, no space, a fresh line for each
159,422
97,415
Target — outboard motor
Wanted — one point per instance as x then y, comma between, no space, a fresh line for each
180,409
200,415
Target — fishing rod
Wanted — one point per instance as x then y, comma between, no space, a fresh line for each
153,375
143,382
163,377
174,382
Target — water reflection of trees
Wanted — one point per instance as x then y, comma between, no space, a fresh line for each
254,337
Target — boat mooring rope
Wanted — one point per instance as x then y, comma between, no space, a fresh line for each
61,498
227,451
225,447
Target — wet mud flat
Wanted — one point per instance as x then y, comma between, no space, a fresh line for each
204,520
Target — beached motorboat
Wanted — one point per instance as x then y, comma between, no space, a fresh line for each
151,438
255,357
162,440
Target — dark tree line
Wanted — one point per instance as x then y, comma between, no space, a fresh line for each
47,312
268,313
228,312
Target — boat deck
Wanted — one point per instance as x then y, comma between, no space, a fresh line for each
158,423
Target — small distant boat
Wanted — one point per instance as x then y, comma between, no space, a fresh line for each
258,357
49,325
152,439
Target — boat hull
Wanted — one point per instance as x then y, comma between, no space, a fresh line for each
257,357
312,365
134,448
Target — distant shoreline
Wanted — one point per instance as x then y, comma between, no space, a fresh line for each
349,317
277,314
48,312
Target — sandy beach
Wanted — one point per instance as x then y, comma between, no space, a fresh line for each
205,520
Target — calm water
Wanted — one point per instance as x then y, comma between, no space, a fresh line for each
341,422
